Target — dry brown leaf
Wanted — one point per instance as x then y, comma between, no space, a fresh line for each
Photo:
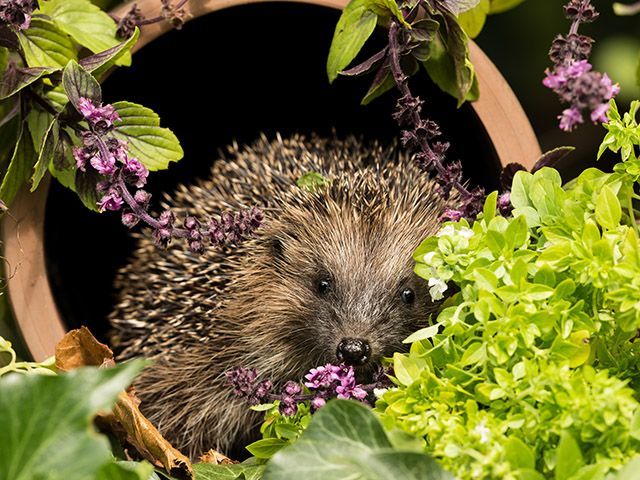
216,458
80,348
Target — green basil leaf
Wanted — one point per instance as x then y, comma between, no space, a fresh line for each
45,45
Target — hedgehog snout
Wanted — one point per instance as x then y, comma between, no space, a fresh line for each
353,351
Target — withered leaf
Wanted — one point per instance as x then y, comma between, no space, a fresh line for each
80,348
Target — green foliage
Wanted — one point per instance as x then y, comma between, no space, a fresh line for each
528,368
240,471
9,362
46,423
346,440
312,181
153,145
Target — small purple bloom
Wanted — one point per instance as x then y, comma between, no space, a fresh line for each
130,219
142,197
140,173
451,215
288,406
101,117
318,402
321,377
111,201
504,203
351,390
292,388
104,166
570,118
81,157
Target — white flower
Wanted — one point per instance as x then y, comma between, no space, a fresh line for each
438,287
482,430
379,392
448,230
428,257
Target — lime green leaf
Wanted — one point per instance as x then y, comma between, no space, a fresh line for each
346,440
153,145
312,181
608,210
630,470
46,421
87,24
266,447
23,159
45,45
472,21
422,334
500,6
355,26
568,457
518,454
407,369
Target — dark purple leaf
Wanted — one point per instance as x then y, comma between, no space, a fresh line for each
456,6
507,174
367,65
15,79
87,187
78,83
102,61
551,157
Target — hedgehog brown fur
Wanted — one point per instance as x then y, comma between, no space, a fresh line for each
257,304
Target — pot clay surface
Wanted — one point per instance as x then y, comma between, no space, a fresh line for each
29,290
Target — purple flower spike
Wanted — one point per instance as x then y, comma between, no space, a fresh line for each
321,377
318,402
288,406
137,171
100,117
572,78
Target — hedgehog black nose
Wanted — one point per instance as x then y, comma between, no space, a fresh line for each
353,351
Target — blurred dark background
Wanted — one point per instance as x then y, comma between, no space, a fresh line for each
261,68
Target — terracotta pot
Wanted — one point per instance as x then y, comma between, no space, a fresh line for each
34,307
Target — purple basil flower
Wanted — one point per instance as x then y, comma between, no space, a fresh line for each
349,389
17,13
104,166
572,77
242,380
137,170
111,201
292,388
101,117
82,157
288,406
142,197
451,215
321,377
130,219
504,203
318,402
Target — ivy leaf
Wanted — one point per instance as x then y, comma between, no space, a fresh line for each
15,79
608,209
45,45
46,153
153,145
22,161
346,440
99,63
78,83
209,471
87,24
355,26
46,421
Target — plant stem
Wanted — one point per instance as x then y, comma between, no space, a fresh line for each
402,83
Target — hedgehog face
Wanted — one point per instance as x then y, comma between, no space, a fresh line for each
337,284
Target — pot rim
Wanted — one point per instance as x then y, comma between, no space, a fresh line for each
35,311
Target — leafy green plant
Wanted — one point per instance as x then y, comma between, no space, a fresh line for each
529,366
46,425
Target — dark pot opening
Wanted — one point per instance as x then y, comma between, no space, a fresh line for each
231,76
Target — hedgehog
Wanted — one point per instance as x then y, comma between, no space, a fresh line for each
329,274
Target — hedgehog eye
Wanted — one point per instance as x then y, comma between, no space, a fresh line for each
408,296
323,286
